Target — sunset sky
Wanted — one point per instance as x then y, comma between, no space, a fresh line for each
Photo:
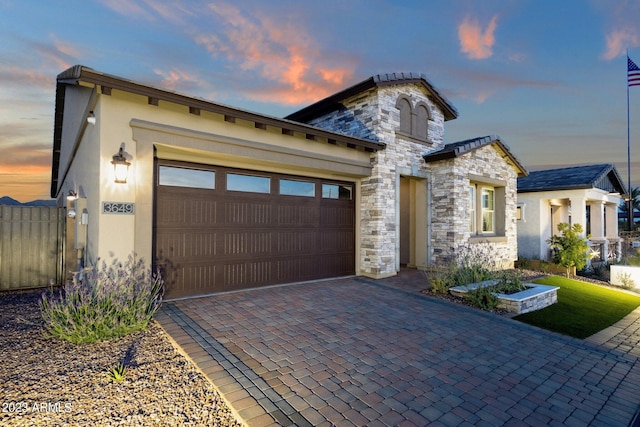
548,77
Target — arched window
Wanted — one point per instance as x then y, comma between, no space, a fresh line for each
404,105
421,127
414,121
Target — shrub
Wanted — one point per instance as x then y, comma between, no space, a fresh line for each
439,285
509,282
483,298
103,303
626,281
470,264
569,249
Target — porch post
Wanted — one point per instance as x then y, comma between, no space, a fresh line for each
579,213
611,220
597,220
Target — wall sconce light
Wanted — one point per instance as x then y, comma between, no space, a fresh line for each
72,195
91,118
120,166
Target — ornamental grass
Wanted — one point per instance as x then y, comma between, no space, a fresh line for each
103,302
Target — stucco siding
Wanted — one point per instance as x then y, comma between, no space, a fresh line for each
194,137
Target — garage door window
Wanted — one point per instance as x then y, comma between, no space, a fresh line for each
335,191
182,177
248,183
297,188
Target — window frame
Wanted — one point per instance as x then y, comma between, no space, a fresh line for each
333,184
413,119
182,184
248,175
472,209
294,194
491,210
476,210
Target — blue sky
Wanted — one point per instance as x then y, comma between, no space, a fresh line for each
548,77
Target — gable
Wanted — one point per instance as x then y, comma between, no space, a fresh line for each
460,148
334,102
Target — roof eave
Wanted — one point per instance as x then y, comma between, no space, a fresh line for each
556,188
474,145
105,80
333,102
80,74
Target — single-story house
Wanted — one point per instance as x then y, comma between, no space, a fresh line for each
220,198
587,195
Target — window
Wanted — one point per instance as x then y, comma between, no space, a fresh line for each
422,121
472,208
404,106
414,119
183,177
248,183
297,188
487,209
336,191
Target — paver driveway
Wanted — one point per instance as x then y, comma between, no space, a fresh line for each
357,351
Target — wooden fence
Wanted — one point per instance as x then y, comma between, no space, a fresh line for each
31,246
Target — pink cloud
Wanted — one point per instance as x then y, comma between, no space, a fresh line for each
173,11
175,78
128,8
13,76
282,52
618,41
474,42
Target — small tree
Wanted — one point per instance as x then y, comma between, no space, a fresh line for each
569,249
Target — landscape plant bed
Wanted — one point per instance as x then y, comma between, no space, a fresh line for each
50,382
532,297
583,309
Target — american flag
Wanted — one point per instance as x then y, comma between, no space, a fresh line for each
633,73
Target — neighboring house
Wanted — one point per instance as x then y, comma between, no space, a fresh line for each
222,199
586,195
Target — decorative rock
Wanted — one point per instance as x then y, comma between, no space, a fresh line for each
51,383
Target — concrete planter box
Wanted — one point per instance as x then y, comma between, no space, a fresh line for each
533,298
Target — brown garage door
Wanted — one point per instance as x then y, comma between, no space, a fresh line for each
220,229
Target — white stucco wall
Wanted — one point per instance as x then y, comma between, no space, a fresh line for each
207,138
625,276
535,226
538,224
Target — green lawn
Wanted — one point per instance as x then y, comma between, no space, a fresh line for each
582,308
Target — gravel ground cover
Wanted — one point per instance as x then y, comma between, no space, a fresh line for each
48,382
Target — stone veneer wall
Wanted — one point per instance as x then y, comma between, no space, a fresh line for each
450,206
373,115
